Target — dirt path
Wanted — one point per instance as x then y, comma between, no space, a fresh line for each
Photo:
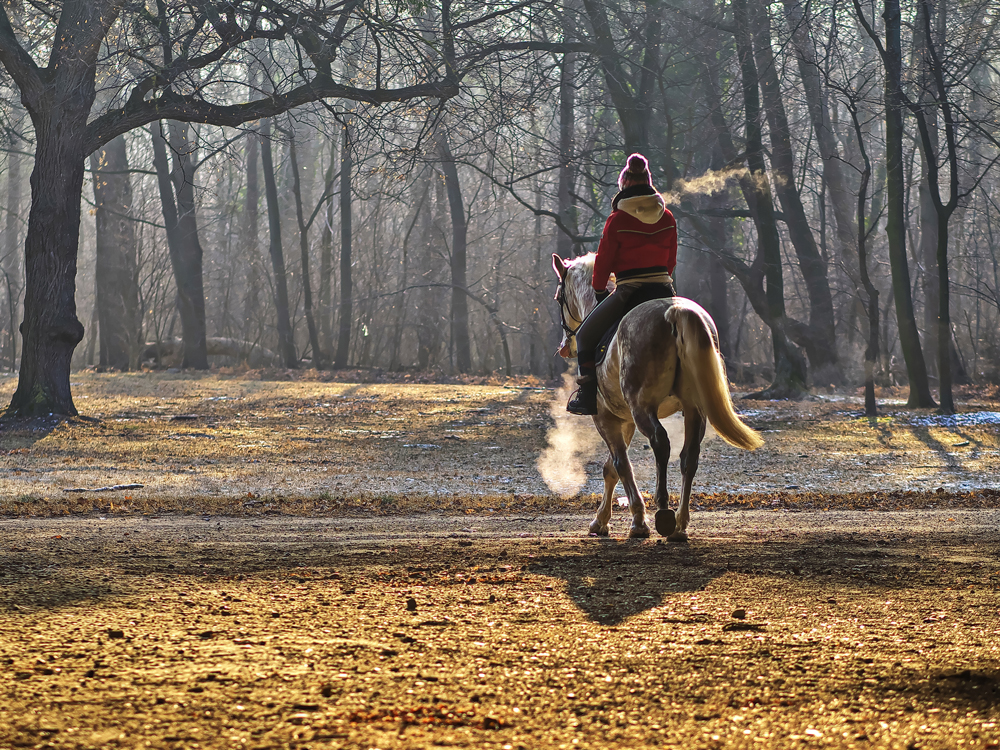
770,629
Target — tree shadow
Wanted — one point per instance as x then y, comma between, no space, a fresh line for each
952,462
18,433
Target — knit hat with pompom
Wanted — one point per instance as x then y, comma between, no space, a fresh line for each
636,173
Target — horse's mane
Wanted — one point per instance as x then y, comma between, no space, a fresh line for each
580,271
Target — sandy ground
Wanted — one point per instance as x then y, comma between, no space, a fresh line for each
769,629
399,565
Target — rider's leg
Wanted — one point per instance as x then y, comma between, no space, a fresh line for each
588,337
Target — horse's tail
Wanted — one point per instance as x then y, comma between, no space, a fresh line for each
701,361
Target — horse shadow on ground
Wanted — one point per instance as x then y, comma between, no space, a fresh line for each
619,579
608,580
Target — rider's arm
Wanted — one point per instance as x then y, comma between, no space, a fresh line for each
607,253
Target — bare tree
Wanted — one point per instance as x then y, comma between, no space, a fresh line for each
117,276
158,62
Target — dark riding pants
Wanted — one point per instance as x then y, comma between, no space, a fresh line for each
610,312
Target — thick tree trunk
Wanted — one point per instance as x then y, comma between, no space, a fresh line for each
58,99
821,343
285,343
117,275
319,361
909,339
51,330
346,311
180,220
459,252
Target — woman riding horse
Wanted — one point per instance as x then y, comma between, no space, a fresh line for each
639,246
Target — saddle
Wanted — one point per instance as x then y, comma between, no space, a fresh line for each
636,296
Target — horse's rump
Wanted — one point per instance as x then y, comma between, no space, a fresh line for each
702,366
669,349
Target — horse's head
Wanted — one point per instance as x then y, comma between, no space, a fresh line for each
575,296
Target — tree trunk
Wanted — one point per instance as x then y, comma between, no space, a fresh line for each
180,220
821,343
909,339
567,211
51,330
319,361
632,100
117,275
58,99
251,300
459,249
286,345
11,249
346,312
326,258
428,302
928,239
871,291
789,369
819,114
717,281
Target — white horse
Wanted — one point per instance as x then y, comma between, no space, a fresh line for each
663,359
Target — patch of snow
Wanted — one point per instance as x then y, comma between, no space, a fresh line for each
968,419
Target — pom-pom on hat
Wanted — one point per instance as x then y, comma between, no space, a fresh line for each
635,173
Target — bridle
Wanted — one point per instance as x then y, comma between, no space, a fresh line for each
561,299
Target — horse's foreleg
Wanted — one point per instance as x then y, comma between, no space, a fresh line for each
599,525
649,425
694,433
618,434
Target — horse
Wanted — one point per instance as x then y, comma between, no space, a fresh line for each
664,358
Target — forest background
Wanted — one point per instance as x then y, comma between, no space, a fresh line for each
381,183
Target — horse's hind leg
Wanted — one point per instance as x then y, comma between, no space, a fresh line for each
618,433
659,441
694,433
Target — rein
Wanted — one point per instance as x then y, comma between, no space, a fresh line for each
561,299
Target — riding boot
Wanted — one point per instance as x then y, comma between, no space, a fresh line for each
584,401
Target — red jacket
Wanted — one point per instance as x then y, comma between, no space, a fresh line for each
640,236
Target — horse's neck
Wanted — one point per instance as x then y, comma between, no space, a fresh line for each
585,302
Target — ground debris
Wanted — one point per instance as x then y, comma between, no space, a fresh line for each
111,488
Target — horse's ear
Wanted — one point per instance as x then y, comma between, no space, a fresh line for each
559,266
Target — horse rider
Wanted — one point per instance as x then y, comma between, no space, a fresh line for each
639,246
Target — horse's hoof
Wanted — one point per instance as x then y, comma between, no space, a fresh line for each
598,530
639,532
666,522
678,536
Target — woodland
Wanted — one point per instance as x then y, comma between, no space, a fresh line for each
380,184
